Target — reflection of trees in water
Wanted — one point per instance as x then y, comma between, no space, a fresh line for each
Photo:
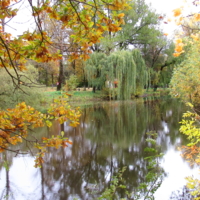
110,136
6,163
12,190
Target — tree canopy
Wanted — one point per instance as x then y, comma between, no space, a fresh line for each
73,15
123,72
185,84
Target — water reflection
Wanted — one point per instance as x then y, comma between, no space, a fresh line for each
110,135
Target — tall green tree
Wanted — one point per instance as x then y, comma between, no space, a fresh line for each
141,29
96,70
124,71
141,26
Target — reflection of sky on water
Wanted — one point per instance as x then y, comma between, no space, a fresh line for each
177,169
165,127
26,181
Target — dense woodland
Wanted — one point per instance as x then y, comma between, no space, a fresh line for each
116,47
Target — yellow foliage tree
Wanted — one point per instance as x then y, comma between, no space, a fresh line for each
185,84
185,81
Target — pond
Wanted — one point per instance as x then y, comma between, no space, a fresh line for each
111,135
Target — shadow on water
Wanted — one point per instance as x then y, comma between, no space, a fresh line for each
111,135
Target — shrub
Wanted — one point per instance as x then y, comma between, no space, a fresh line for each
10,95
71,83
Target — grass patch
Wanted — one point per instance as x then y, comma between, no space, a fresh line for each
83,98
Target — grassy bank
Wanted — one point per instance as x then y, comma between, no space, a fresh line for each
81,97
41,98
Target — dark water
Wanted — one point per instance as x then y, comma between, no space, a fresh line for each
110,135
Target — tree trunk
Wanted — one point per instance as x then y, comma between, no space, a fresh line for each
46,77
94,89
52,80
60,77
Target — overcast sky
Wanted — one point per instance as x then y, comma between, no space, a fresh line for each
165,6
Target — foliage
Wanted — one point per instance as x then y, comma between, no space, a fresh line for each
189,25
109,93
186,77
37,45
185,80
123,72
95,69
191,152
71,83
185,84
115,184
16,122
9,96
154,177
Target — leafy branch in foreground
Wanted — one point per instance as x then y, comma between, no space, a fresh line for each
109,193
190,127
16,122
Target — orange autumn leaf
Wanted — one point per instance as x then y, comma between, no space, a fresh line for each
197,17
178,48
177,12
176,54
70,142
179,40
121,15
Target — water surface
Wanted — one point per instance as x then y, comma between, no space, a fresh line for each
110,135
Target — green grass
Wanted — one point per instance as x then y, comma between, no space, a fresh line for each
75,95
82,96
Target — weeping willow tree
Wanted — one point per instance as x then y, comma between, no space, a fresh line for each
129,69
122,69
125,71
141,71
95,69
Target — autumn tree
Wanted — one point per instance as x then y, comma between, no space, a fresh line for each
185,80
187,85
37,45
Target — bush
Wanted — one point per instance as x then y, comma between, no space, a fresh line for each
71,83
109,93
10,95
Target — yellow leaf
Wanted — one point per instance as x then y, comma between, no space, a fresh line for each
177,12
197,17
121,15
